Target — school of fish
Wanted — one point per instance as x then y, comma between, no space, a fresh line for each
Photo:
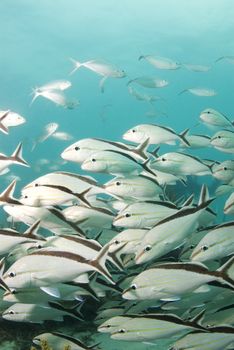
147,252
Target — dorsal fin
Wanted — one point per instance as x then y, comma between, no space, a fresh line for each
141,148
31,232
4,128
17,155
7,196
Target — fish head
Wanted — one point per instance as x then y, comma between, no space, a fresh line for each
212,117
13,313
110,325
202,252
224,171
149,250
162,83
120,73
77,152
128,218
18,275
137,134
219,140
97,162
163,162
32,196
141,288
120,186
40,338
229,205
14,119
11,297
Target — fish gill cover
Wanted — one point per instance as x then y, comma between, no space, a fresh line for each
117,175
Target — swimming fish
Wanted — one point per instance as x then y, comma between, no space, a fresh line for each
20,312
216,244
196,141
9,119
55,96
49,130
62,136
143,97
115,163
196,67
15,158
149,82
230,59
224,171
152,326
219,339
212,117
61,341
113,324
223,140
179,163
156,134
204,92
138,187
79,151
144,214
161,281
160,62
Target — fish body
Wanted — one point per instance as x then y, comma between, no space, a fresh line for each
100,67
229,205
62,136
33,313
161,62
179,163
8,119
210,116
129,239
205,341
169,233
47,267
216,244
151,327
224,171
79,151
202,92
156,134
196,67
223,139
138,187
143,97
60,341
113,162
144,214
60,85
149,82
15,158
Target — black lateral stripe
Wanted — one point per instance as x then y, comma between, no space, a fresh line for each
161,203
86,242
125,155
60,216
113,143
221,329
79,177
62,254
66,190
192,157
191,267
205,136
150,179
225,224
165,128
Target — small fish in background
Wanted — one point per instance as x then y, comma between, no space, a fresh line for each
161,62
9,119
229,59
53,91
62,136
149,82
61,341
15,158
202,92
210,116
49,130
101,67
196,67
143,97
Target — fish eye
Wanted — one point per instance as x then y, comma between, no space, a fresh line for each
26,197
93,160
11,312
133,130
118,183
224,168
204,247
39,246
133,286
108,326
127,215
13,291
122,330
116,241
208,112
148,248
192,246
12,274
36,185
219,137
77,148
163,159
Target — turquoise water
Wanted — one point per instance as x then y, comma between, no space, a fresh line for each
38,38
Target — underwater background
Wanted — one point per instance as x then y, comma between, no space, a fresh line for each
38,38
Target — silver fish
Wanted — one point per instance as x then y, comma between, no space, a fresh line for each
160,62
212,117
202,92
149,82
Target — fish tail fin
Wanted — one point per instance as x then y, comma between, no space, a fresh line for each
100,261
155,152
31,232
73,312
219,59
196,320
18,157
130,81
140,57
188,201
226,271
223,189
82,197
182,136
7,196
76,65
35,94
3,285
141,148
4,128
101,84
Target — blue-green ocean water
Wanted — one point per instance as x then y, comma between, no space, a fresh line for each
38,38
